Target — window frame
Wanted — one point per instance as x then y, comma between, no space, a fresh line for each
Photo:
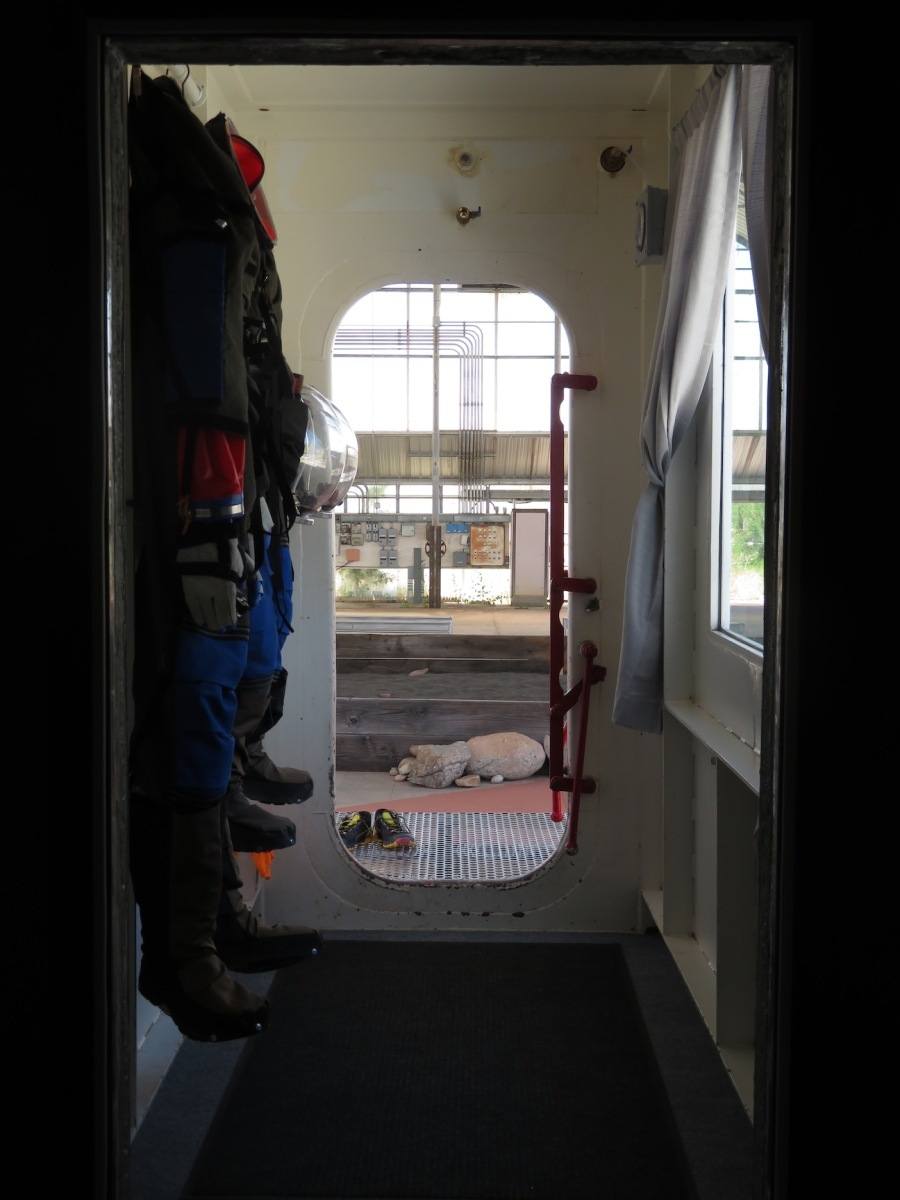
722,468
727,669
560,359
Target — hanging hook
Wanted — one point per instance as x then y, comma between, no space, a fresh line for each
181,73
181,82
464,215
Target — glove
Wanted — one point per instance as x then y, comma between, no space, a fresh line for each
210,575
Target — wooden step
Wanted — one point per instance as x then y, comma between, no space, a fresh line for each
419,646
350,665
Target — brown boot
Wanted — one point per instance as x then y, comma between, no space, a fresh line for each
274,785
177,873
253,829
243,942
260,706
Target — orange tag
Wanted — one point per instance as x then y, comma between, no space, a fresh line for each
263,861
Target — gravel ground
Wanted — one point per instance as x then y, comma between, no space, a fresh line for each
457,685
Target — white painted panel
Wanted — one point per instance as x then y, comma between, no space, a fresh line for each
705,853
737,909
678,828
305,735
529,553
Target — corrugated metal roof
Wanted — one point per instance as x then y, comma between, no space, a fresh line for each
748,458
386,457
405,457
741,231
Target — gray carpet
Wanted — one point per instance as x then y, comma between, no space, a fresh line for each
452,1071
710,1125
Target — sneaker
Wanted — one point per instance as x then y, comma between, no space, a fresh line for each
390,831
355,827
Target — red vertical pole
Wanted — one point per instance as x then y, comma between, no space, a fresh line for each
557,638
556,812
588,653
560,583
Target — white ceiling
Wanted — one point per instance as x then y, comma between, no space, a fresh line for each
285,88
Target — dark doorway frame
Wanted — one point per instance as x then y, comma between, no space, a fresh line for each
111,46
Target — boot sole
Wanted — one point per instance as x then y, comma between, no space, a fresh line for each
256,843
233,961
202,1026
221,1029
271,964
266,792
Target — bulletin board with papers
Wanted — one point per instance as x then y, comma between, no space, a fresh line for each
487,545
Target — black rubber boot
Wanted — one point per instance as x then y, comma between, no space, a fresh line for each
176,862
243,942
253,829
274,785
263,780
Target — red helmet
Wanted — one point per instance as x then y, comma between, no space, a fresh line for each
252,167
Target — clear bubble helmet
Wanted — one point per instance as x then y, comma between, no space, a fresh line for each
330,455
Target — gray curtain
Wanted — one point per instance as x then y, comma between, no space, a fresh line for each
757,107
701,219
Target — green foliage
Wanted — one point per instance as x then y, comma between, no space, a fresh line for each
747,544
361,583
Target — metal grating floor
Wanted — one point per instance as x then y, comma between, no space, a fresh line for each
461,847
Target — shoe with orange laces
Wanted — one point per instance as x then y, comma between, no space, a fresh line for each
390,831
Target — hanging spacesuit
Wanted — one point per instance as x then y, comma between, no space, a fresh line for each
197,264
277,428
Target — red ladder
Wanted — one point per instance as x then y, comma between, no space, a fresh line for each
562,702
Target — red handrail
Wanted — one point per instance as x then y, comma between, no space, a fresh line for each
591,676
556,811
560,583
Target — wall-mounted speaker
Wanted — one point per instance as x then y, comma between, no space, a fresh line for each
650,225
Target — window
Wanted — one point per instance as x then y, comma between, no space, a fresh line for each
382,365
743,454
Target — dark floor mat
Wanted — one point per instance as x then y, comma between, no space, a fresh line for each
460,1071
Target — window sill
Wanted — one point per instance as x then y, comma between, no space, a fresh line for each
743,648
727,746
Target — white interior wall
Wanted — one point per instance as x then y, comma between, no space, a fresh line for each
363,197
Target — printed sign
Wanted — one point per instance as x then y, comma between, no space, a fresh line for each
487,546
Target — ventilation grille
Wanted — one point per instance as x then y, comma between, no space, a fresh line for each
462,847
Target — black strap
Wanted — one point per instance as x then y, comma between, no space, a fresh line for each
187,475
257,533
275,562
